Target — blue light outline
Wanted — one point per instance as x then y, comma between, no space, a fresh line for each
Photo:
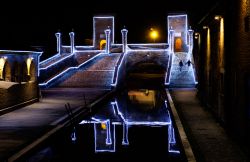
117,71
60,74
104,150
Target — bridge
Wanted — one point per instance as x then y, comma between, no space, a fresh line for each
99,69
96,66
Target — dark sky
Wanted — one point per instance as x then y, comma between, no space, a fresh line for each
33,24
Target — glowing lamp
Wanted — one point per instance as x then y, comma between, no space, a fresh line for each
217,17
154,34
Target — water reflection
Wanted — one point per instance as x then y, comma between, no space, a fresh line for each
145,108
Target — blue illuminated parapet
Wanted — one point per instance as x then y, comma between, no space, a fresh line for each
169,70
117,70
172,146
67,70
148,46
56,62
147,50
49,59
62,58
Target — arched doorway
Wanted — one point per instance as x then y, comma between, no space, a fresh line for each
7,72
178,44
102,44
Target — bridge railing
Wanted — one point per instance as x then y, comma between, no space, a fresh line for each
117,70
168,72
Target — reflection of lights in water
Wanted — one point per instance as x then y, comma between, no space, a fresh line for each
103,125
144,98
73,135
105,141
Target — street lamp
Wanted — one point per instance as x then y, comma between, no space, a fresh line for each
153,34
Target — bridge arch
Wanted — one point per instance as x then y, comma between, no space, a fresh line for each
146,74
147,67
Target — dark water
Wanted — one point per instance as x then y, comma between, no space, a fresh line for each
136,124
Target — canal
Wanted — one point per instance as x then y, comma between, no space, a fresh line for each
135,124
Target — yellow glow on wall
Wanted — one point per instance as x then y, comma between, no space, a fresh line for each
28,63
208,52
2,62
244,6
221,44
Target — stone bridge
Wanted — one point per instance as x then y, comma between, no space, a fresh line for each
106,64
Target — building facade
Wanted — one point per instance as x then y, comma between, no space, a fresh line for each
222,45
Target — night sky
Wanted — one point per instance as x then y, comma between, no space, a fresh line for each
26,25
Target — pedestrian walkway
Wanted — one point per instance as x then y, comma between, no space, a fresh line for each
208,139
21,127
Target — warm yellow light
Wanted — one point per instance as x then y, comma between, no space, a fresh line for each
217,17
103,126
2,62
28,62
154,34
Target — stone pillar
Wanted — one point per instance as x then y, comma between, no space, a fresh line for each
107,33
190,40
59,42
124,40
171,40
72,42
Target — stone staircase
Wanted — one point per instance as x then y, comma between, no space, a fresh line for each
98,73
182,76
58,64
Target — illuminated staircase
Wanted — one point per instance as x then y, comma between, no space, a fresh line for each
55,67
98,73
182,76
